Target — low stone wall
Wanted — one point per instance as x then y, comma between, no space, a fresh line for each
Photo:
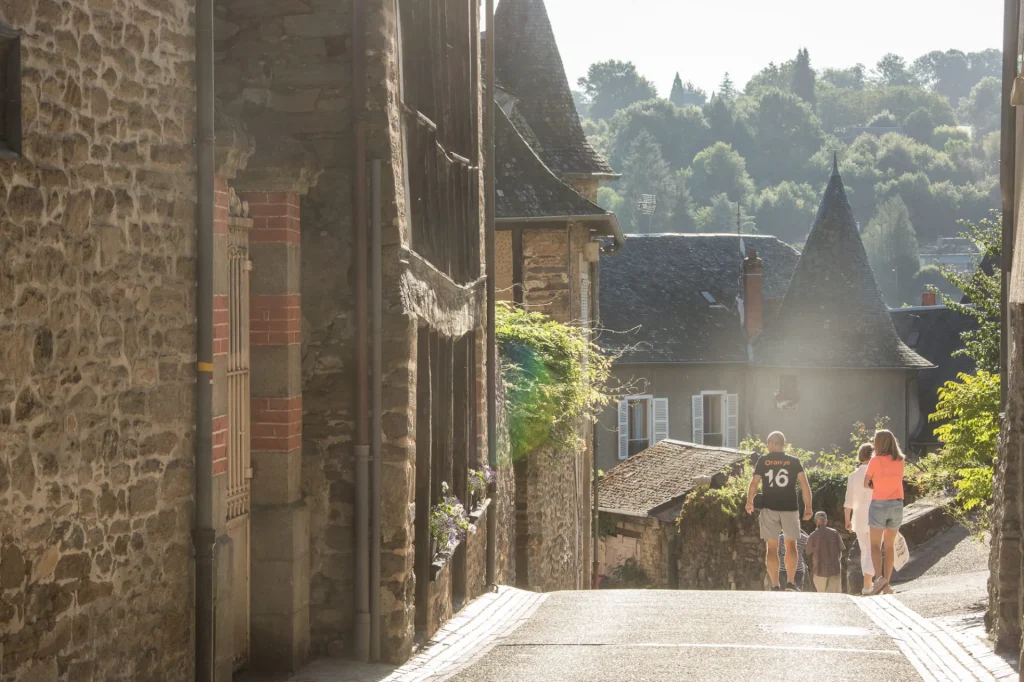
647,541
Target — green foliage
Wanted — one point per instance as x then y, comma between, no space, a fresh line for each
970,406
680,133
720,217
891,244
555,379
920,126
883,119
789,133
726,89
853,78
930,278
786,211
687,94
719,170
612,85
984,296
981,109
804,78
892,70
647,173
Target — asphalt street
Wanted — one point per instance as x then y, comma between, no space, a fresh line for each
642,635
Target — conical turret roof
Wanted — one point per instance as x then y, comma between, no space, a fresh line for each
528,63
833,314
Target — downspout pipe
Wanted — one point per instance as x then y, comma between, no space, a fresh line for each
376,279
492,339
205,534
595,286
1007,179
360,226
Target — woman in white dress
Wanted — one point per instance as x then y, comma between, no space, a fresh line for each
858,499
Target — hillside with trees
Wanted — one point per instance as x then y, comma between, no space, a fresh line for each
918,145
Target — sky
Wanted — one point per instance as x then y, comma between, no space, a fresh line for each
702,39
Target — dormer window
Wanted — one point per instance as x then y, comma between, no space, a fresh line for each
708,297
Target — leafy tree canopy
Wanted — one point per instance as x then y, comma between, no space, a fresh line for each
614,85
719,170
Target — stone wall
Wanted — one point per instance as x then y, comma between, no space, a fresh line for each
645,540
98,341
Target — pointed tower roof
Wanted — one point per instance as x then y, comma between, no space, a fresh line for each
528,63
833,315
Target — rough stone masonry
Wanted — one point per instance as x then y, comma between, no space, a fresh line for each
97,345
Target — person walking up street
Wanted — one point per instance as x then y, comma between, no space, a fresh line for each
801,567
858,499
885,514
781,474
825,550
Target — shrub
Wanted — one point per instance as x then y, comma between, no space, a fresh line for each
448,522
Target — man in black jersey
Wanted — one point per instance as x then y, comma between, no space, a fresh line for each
781,506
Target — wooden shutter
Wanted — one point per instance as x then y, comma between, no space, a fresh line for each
732,428
698,419
623,429
660,419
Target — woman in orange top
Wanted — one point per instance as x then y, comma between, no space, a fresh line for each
885,515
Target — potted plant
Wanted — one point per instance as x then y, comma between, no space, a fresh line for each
479,479
448,524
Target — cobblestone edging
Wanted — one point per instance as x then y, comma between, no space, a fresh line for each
937,652
464,639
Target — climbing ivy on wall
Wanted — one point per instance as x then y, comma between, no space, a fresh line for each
555,379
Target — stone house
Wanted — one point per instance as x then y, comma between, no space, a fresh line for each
672,308
727,346
549,239
192,351
639,501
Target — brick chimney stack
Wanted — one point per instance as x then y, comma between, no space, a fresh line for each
928,298
753,293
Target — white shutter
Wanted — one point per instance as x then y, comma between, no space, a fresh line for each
732,429
623,429
585,296
698,419
660,419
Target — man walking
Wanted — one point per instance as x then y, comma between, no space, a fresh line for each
781,509
825,551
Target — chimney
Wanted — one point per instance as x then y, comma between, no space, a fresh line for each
753,293
928,298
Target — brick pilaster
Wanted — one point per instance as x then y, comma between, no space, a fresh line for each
220,326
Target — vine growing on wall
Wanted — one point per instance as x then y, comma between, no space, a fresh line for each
555,379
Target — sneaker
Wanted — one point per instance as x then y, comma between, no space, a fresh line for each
866,592
887,589
776,588
877,586
790,587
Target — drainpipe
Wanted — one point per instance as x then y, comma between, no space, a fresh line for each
1007,178
205,535
492,339
362,441
376,279
595,287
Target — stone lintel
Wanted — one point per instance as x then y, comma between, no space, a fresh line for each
287,168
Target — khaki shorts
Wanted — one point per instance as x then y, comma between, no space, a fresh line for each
774,522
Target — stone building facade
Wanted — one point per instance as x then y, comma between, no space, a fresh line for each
97,330
549,241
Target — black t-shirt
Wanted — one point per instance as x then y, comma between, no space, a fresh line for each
778,472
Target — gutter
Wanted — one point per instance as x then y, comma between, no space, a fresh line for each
376,426
204,535
610,218
361,444
1007,179
492,338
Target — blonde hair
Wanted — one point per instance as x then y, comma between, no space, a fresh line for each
778,437
865,452
886,444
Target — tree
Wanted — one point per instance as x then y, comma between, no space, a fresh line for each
720,217
726,90
645,172
892,70
948,73
680,133
804,77
775,76
687,94
883,119
981,109
853,78
787,133
786,211
920,126
719,170
930,278
891,244
613,85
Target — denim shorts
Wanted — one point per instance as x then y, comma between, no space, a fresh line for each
885,514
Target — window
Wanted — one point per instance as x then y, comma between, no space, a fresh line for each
708,297
715,419
10,92
787,396
643,421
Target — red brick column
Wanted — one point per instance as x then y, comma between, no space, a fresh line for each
280,521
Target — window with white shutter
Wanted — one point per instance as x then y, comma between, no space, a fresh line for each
660,419
636,425
698,419
732,411
623,429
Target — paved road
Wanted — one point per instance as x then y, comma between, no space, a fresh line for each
669,635
947,577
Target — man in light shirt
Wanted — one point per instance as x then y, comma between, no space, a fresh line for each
858,499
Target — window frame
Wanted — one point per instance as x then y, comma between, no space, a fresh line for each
723,417
649,399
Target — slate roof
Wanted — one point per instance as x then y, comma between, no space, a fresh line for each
660,475
935,333
652,289
833,315
526,187
528,63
